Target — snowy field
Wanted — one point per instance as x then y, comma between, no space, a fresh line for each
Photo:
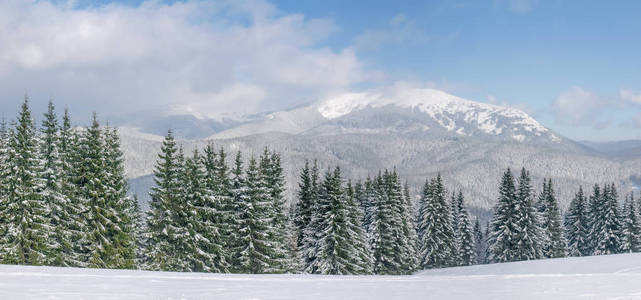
603,277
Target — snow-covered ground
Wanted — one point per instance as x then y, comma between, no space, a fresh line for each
603,277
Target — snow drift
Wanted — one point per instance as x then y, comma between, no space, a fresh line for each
598,277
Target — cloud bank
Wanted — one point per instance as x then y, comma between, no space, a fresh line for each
578,107
194,57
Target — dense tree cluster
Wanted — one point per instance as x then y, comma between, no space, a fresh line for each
205,217
63,202
63,195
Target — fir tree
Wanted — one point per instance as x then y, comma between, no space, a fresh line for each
409,231
465,237
240,208
122,231
554,240
607,228
303,210
362,255
631,228
205,251
74,252
336,252
139,231
25,213
218,186
383,231
311,232
271,173
529,238
577,227
368,203
595,210
96,187
503,229
59,233
480,244
164,232
435,231
256,252
5,174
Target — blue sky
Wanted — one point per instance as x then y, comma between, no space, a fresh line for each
525,53
573,65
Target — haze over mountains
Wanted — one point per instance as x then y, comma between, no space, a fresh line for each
421,132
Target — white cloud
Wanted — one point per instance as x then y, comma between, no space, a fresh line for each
630,97
578,107
193,56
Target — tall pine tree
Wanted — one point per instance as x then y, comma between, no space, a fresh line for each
25,213
503,229
551,224
577,226
164,231
435,232
607,225
631,228
465,237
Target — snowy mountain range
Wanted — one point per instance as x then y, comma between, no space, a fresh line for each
421,132
405,111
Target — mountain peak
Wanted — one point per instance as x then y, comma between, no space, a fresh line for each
452,113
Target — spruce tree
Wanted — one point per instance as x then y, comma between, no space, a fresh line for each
435,231
311,232
25,212
241,210
529,238
337,254
409,231
218,186
59,231
95,186
631,228
454,209
122,231
465,237
271,173
383,232
368,203
480,244
362,255
577,226
303,210
256,253
554,241
140,232
5,174
595,210
608,228
205,251
164,232
503,229
74,252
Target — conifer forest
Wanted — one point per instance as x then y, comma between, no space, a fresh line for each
64,201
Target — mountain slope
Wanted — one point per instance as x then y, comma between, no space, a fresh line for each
421,111
420,132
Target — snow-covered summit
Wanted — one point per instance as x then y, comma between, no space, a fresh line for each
452,113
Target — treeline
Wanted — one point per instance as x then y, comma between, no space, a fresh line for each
525,228
207,217
63,195
63,202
